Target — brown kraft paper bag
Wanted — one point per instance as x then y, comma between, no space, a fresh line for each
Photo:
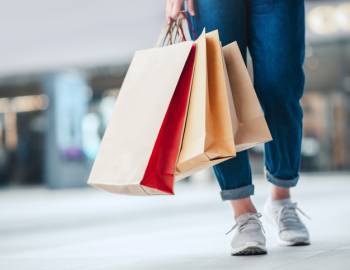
210,125
252,127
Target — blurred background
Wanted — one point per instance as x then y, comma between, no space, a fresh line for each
62,63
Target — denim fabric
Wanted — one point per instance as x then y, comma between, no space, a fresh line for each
274,33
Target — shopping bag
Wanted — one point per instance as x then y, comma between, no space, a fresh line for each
252,128
140,146
209,131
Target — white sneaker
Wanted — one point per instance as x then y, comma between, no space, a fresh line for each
249,238
282,214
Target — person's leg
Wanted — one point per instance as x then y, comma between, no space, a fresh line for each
277,43
229,17
234,175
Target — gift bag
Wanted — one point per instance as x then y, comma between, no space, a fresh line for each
252,128
210,125
140,146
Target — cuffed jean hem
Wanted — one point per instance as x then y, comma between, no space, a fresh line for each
237,193
283,183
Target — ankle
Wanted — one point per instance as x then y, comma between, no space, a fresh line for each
243,206
279,193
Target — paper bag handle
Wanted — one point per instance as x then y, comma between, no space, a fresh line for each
174,31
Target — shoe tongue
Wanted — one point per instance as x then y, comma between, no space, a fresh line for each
281,202
244,217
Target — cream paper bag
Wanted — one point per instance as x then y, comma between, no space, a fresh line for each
137,118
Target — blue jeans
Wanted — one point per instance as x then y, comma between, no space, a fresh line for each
274,33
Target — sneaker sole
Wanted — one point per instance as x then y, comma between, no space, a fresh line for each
296,243
248,250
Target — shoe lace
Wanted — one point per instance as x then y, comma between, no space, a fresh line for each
288,214
242,225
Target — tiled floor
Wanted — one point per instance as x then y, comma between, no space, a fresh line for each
89,229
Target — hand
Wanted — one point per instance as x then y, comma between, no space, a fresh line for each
173,8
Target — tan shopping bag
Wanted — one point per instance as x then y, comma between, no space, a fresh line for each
140,146
252,128
209,131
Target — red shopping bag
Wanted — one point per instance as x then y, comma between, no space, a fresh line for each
160,170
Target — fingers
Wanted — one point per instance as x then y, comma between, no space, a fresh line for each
168,9
173,8
176,8
190,5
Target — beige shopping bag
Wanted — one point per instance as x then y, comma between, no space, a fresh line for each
138,120
209,132
252,128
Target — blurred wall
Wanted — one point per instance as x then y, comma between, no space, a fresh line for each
39,35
